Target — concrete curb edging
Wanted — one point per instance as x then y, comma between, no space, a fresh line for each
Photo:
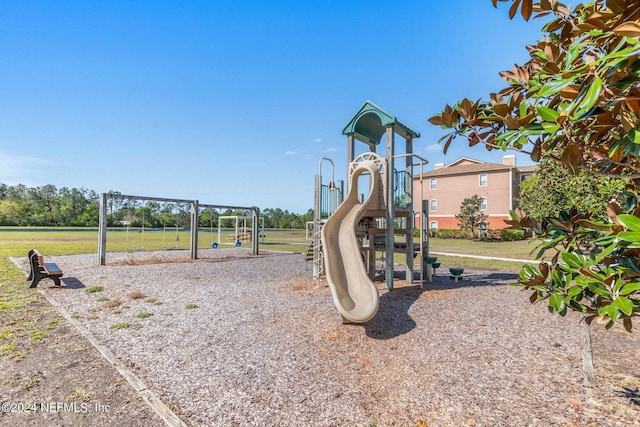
526,261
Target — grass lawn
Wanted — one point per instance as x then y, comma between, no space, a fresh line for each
518,250
61,241
64,242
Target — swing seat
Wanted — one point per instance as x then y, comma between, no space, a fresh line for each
214,245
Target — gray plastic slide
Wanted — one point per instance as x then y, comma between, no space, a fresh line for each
353,292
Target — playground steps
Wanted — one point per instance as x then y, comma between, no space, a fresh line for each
309,255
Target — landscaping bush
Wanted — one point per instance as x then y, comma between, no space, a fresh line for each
507,235
444,233
503,235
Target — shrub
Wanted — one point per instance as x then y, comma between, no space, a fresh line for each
445,233
507,235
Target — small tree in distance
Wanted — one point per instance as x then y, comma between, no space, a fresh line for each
471,215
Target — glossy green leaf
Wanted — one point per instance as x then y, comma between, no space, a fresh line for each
557,303
574,260
533,129
599,289
625,82
634,136
624,304
624,53
572,53
588,101
523,108
630,288
575,291
630,236
554,86
630,222
604,241
610,311
547,114
550,128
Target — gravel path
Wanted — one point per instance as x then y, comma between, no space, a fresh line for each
237,339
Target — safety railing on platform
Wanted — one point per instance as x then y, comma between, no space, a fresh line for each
330,198
401,193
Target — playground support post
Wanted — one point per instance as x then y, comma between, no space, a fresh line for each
255,230
195,222
317,215
391,212
424,243
409,224
102,230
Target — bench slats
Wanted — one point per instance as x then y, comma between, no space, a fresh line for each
52,268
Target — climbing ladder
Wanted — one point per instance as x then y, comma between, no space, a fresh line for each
317,253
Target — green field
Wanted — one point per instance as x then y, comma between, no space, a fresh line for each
58,241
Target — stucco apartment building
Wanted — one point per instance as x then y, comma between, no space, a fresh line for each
498,185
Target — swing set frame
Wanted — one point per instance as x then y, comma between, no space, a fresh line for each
195,207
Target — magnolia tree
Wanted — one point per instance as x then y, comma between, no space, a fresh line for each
576,101
471,217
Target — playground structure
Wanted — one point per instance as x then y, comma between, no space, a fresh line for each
195,208
347,238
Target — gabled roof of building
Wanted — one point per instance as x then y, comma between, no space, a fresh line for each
465,165
462,161
528,169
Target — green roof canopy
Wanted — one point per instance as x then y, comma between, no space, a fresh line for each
370,122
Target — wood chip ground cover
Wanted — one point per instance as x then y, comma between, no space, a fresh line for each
264,346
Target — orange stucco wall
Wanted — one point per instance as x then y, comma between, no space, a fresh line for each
500,189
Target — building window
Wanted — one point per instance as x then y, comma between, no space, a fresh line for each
433,183
434,205
483,180
433,225
483,204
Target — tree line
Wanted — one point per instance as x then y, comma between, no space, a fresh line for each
47,205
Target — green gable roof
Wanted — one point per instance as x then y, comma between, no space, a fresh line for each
370,122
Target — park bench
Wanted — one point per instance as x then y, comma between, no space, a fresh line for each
42,270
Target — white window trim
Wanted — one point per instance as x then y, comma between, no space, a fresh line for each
486,180
486,204
431,227
433,181
431,205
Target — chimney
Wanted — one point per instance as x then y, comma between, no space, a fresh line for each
509,160
438,166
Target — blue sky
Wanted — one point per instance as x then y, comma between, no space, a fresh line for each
233,102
